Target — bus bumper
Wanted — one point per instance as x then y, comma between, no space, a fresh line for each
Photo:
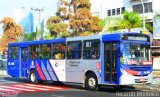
128,79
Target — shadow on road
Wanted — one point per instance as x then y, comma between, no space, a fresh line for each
21,80
106,88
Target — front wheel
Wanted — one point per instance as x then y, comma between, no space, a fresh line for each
91,82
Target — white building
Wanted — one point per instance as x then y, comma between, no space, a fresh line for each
112,8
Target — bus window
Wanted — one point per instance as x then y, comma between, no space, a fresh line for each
59,50
13,53
74,50
45,51
91,49
33,51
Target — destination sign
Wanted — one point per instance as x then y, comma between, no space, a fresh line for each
135,37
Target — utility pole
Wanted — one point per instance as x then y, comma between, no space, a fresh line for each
39,20
144,28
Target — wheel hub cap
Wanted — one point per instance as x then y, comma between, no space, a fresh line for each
92,82
32,77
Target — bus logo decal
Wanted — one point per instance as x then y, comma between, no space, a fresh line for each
56,64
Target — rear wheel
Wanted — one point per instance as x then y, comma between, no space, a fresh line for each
33,77
91,82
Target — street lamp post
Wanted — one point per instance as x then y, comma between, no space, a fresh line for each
39,20
143,16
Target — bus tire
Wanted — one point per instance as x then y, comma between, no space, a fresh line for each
118,88
91,82
33,77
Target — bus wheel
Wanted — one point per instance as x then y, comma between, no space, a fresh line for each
118,88
91,82
33,77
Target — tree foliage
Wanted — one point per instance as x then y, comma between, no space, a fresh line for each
30,36
130,20
12,32
74,18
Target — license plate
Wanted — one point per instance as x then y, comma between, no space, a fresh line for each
142,79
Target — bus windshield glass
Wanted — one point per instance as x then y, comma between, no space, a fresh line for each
136,54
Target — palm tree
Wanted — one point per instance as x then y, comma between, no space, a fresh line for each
130,20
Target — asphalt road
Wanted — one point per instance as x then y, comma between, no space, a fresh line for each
15,87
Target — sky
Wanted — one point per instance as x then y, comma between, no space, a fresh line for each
8,7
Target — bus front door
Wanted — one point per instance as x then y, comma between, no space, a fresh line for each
110,62
23,60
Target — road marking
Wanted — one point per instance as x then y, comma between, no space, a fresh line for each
50,87
29,87
5,90
8,87
23,88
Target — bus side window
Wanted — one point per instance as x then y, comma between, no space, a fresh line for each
59,50
32,55
33,51
24,54
45,51
74,50
13,53
91,49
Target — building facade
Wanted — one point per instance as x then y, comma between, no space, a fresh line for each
27,23
113,8
25,19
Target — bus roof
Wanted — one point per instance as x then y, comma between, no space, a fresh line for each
104,37
37,42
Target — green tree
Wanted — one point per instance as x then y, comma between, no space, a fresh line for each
130,20
149,27
83,23
30,36
74,19
157,15
111,24
56,26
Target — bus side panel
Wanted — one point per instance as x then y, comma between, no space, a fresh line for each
57,69
13,68
44,70
31,65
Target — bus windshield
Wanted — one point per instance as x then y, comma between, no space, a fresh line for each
135,54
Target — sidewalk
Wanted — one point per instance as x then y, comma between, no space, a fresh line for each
156,78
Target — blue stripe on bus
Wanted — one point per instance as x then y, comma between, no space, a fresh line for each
50,71
45,71
53,71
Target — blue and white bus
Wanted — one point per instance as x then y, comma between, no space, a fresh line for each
107,59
